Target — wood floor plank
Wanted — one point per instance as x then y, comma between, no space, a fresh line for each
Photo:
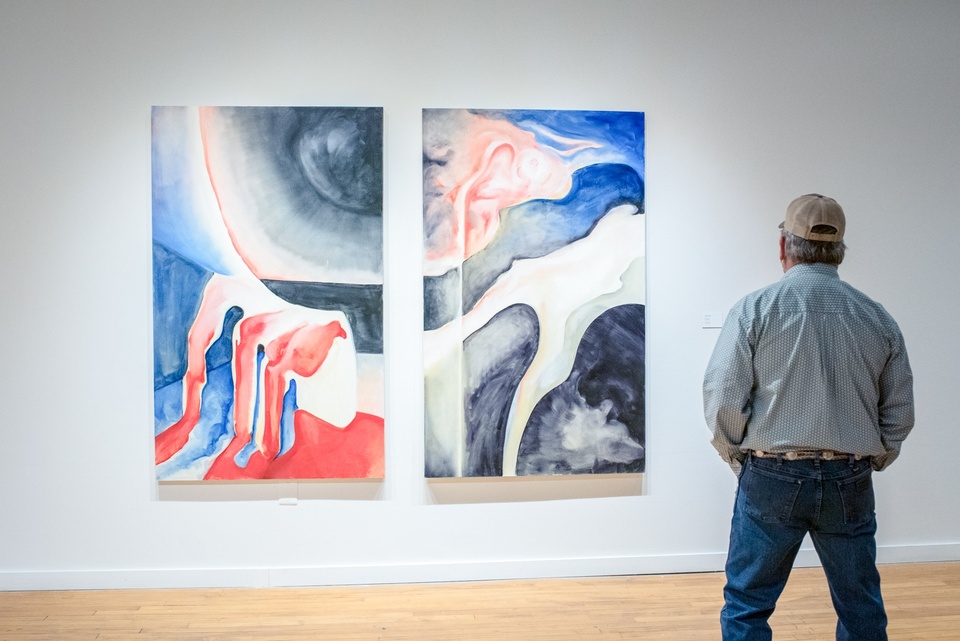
923,603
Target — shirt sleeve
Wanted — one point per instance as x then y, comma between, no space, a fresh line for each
727,388
895,407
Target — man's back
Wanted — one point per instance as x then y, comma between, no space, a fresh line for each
820,348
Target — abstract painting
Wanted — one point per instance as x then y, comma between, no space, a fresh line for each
534,292
268,292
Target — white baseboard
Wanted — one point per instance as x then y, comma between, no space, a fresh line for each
419,573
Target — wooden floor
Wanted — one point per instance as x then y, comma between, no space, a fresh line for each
923,602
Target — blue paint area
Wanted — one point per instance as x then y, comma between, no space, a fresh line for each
600,407
179,182
620,131
243,456
167,406
496,358
538,227
168,400
213,431
177,292
214,428
221,351
287,429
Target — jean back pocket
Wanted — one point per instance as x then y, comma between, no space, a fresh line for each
856,498
768,497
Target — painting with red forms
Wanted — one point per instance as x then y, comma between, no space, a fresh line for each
267,290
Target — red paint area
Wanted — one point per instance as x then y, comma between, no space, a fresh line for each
498,165
301,351
295,344
320,451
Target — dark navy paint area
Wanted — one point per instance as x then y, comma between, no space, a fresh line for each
496,356
600,406
441,299
335,153
538,227
362,304
177,291
341,156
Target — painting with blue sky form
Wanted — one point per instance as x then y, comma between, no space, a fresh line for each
267,282
534,292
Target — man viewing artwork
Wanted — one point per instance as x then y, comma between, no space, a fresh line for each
807,393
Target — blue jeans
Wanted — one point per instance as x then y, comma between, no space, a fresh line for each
778,502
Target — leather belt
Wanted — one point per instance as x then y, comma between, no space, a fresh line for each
798,455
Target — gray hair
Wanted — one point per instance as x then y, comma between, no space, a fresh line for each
801,250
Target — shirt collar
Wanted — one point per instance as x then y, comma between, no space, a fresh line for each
821,269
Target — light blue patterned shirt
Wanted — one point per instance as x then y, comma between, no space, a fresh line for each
809,363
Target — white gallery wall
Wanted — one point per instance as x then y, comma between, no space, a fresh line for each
748,104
